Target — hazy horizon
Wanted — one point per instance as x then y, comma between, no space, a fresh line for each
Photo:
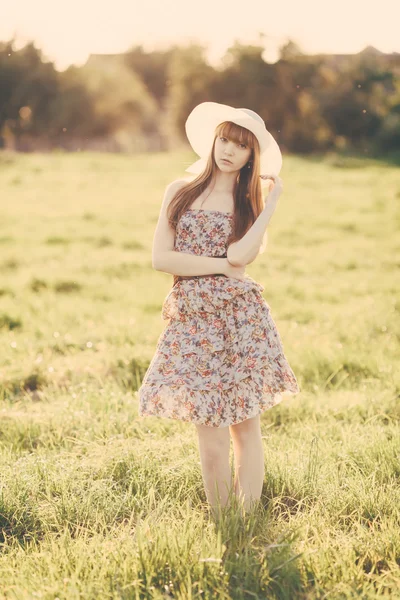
70,33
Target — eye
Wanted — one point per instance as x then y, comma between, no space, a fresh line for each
223,138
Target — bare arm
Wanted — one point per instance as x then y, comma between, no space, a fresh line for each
181,263
245,250
168,260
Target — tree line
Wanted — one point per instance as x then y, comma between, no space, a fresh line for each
139,101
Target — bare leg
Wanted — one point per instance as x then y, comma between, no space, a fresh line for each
214,445
249,460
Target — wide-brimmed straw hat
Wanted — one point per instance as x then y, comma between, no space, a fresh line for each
200,130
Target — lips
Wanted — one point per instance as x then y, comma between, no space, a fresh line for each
226,160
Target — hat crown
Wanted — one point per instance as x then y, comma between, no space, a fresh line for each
253,114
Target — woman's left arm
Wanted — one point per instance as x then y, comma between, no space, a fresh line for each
245,250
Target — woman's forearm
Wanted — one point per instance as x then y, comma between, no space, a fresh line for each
245,250
182,263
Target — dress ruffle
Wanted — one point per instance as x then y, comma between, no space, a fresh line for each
220,360
205,293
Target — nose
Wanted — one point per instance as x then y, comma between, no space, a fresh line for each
228,148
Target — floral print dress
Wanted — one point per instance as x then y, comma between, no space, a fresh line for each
220,359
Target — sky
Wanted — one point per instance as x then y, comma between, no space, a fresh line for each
67,32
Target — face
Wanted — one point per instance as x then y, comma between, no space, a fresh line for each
237,153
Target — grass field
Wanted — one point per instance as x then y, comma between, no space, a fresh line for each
96,502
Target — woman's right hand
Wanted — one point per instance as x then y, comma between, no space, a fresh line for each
235,272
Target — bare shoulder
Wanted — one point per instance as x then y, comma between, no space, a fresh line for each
171,190
177,183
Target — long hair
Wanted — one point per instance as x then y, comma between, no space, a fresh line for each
247,194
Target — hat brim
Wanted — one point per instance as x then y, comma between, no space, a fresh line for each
200,129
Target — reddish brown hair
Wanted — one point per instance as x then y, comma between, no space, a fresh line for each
247,194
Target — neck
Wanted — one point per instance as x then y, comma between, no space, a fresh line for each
224,182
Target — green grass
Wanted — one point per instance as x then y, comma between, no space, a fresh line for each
96,502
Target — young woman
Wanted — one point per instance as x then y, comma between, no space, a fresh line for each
220,362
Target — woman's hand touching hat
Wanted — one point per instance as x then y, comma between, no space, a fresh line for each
275,184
